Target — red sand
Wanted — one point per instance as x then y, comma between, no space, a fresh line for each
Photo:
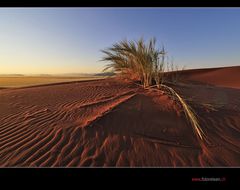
225,77
111,123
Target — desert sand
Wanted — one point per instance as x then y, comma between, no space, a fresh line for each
27,81
115,123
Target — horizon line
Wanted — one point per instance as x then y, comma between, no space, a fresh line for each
91,73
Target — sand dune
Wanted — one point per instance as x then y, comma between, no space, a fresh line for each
114,123
225,77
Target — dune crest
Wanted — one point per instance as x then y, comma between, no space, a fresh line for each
224,77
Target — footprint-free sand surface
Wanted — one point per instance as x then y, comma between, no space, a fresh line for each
113,123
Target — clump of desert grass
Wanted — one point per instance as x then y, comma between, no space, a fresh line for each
138,60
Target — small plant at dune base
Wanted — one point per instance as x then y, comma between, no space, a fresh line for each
172,72
144,62
175,75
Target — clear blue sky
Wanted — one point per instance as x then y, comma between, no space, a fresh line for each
68,40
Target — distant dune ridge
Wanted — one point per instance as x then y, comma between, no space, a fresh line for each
225,77
114,123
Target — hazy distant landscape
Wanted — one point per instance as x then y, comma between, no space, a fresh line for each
20,80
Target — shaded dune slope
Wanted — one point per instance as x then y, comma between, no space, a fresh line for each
224,77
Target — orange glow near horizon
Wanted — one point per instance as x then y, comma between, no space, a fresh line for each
30,65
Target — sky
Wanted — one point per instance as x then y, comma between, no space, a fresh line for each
69,40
